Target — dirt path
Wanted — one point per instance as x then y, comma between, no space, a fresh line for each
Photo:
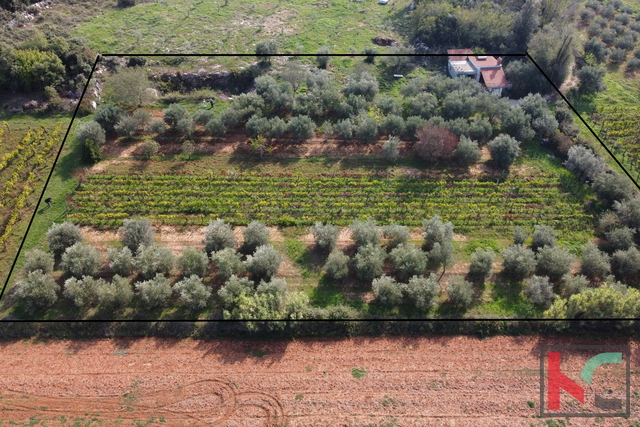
444,381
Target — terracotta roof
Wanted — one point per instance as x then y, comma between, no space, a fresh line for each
484,61
454,52
494,77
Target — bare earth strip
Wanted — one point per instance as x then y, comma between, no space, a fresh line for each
440,381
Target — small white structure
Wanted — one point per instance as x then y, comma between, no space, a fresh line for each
484,69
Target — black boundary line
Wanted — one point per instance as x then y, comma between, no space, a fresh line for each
305,54
584,121
439,320
46,184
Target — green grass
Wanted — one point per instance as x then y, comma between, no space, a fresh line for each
359,373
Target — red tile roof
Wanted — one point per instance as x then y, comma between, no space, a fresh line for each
494,77
463,52
484,61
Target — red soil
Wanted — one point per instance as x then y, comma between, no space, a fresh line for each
444,381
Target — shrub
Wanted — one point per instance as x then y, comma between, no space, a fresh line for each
136,232
157,126
539,290
192,292
152,260
228,261
121,261
264,263
365,232
390,149
543,235
127,127
91,153
396,235
368,262
504,150
325,236
218,236
519,235
422,292
193,262
482,263
337,265
460,292
435,143
370,51
467,151
387,291
301,128
274,286
628,212
392,125
411,126
323,57
625,265
344,129
604,302
584,163
572,285
265,49
518,262
256,234
142,117
424,105
37,292
515,123
619,239
233,288
174,113
612,187
366,130
37,259
595,263
34,70
82,292
150,148
91,131
117,294
554,262
108,116
202,117
591,79
408,261
62,236
80,260
154,292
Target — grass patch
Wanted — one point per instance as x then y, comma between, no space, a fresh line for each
359,373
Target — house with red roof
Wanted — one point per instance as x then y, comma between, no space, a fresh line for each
484,69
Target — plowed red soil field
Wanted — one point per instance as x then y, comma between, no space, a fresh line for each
389,381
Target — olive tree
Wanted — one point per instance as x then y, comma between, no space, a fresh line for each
365,232
37,292
218,235
136,232
264,263
233,288
155,292
504,150
81,260
369,261
518,262
193,262
625,265
539,290
584,163
554,262
91,131
408,261
573,284
256,234
337,265
37,259
467,151
325,236
460,292
83,292
396,235
62,236
422,292
192,292
117,294
228,262
152,260
121,261
390,149
595,263
543,235
482,263
387,291
265,49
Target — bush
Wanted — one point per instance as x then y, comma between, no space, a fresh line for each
612,187
152,260
301,128
396,235
366,130
408,261
604,302
504,150
519,235
591,79
619,239
121,261
435,143
595,263
37,259
193,262
82,292
518,262
389,106
392,125
33,70
127,127
539,290
62,236
365,232
136,232
344,129
126,3
543,235
257,125
460,292
337,265
274,286
325,236
467,151
150,148
368,262
80,260
233,288
411,126
108,116
625,265
371,51
422,292
515,123
584,163
218,236
554,262
390,149
323,57
482,263
157,126
387,291
215,127
256,234
628,212
192,292
424,105
91,153
202,117
117,294
265,49
264,263
91,131
37,292
174,113
572,285
228,261
155,292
